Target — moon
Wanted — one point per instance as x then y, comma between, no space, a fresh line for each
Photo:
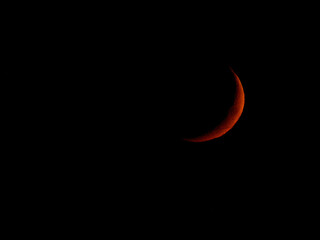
231,118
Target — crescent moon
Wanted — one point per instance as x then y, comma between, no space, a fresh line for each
230,120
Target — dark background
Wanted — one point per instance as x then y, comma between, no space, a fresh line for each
109,96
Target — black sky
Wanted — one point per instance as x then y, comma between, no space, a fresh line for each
111,95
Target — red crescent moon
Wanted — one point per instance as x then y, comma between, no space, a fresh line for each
231,119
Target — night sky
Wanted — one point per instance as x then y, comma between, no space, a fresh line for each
112,95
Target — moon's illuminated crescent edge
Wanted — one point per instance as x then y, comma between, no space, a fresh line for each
230,120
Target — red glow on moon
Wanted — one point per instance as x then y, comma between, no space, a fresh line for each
231,119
